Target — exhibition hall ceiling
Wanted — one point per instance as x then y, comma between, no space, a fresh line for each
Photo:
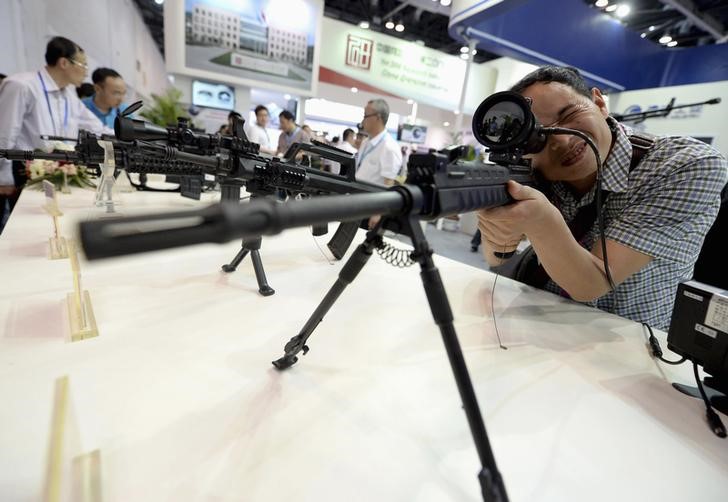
689,22
422,20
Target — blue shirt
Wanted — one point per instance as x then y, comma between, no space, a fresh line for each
106,118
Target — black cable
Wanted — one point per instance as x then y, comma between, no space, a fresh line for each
714,421
492,305
656,350
597,196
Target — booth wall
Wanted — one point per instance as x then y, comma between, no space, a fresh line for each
111,32
708,120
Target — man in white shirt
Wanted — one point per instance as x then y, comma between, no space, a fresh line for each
43,102
346,144
379,159
257,132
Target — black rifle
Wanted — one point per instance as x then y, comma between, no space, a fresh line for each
638,117
236,162
128,155
439,184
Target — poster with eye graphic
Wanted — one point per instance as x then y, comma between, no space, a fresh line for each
261,43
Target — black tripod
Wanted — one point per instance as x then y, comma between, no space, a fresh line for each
231,194
491,482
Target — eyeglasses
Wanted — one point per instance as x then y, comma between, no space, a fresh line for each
78,63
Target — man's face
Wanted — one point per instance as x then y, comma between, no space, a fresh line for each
566,157
262,118
286,125
111,92
371,120
75,68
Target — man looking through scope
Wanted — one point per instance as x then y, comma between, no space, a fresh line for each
659,200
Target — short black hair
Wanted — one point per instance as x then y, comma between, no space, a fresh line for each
286,115
260,108
2,76
566,75
347,133
85,90
234,114
60,47
101,74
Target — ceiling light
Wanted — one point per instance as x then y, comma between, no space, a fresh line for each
643,35
473,52
602,3
665,39
389,25
651,28
611,8
286,97
456,112
464,49
364,25
410,101
354,90
623,10
445,3
159,2
399,27
672,44
446,124
464,56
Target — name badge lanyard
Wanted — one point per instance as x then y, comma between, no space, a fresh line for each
50,109
370,148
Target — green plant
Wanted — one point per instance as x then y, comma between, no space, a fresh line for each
165,108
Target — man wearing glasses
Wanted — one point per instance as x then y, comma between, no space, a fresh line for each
379,159
42,102
109,92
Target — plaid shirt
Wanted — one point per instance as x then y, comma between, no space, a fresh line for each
663,208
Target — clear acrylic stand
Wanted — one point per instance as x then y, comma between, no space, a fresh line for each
69,476
80,311
57,244
105,190
123,185
65,188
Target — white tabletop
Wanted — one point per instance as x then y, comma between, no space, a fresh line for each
179,394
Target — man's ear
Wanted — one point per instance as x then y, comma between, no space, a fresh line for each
600,101
97,88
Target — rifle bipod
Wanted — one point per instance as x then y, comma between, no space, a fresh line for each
231,194
491,483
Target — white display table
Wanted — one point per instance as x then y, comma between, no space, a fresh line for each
179,395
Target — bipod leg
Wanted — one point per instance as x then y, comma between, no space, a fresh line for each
348,273
491,482
263,287
233,265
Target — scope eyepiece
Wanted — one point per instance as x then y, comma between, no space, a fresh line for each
504,122
127,129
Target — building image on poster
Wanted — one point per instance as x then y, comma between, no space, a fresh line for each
255,40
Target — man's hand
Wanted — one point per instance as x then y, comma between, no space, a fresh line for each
504,227
531,213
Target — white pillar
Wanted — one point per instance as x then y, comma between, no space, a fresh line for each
459,117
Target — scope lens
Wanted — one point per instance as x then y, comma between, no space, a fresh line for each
502,123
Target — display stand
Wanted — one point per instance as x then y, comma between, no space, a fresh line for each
69,476
105,190
65,188
57,244
122,183
80,311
